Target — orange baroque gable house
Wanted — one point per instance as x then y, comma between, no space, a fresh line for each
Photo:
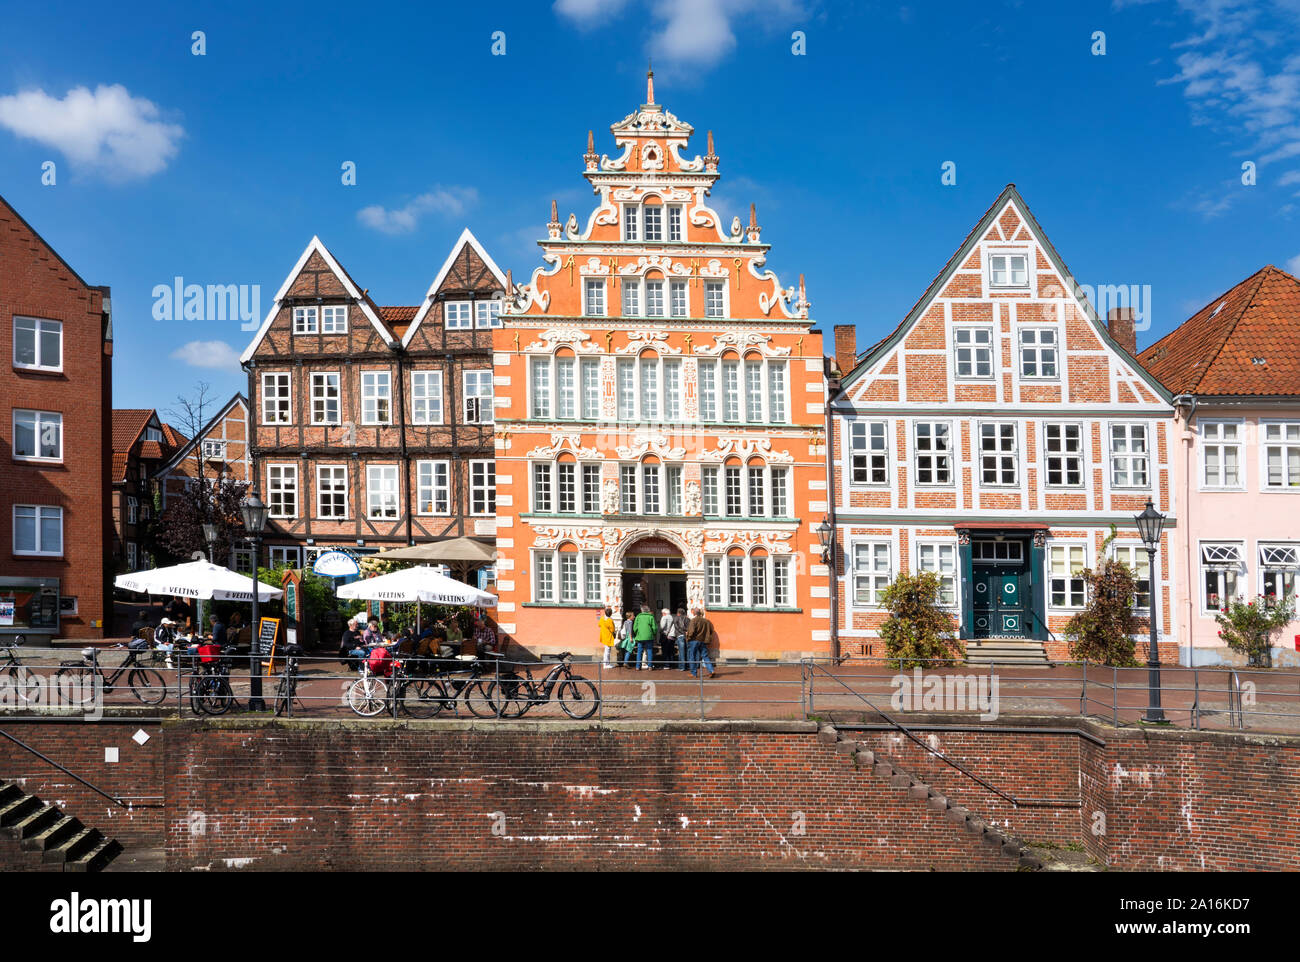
660,416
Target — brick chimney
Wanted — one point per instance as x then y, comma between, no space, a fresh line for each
846,346
1120,324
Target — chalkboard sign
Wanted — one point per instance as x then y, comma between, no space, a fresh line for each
266,631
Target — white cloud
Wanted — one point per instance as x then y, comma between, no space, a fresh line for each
120,135
450,201
688,32
210,354
1293,265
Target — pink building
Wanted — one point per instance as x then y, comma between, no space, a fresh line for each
1234,371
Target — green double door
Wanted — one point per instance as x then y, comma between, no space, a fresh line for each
1000,600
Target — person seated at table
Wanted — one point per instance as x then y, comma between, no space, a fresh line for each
431,642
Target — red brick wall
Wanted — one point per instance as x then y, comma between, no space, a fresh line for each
34,282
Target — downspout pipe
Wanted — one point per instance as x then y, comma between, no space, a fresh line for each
832,496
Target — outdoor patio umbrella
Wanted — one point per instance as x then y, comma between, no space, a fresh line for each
420,583
196,579
461,550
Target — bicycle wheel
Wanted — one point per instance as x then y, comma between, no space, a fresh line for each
424,698
578,697
147,685
216,697
367,696
76,685
282,696
25,683
509,696
477,697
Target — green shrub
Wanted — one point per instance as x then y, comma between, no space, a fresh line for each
1248,626
918,628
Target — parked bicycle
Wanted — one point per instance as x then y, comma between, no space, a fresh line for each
287,691
421,694
21,679
147,685
512,694
210,691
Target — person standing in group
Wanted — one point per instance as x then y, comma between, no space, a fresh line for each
605,623
680,624
700,633
669,643
625,641
644,628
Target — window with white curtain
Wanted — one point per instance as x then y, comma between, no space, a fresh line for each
1221,454
426,397
433,488
381,491
1281,454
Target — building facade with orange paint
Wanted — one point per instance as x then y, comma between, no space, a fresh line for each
997,437
660,412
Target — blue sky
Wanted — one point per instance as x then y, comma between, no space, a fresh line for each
219,168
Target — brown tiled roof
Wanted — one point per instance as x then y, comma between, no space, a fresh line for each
1241,343
174,438
127,425
398,319
119,467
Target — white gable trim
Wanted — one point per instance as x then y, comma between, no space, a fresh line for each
314,247
183,451
466,237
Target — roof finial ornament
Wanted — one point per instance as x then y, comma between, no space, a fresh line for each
711,158
553,228
754,229
649,83
590,158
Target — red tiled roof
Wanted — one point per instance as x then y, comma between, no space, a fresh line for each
1241,343
398,319
174,438
119,467
127,425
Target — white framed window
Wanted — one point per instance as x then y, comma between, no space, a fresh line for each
432,487
754,391
284,555
591,489
631,298
543,487
277,400
1038,353
306,320
672,390
731,391
132,510
376,397
709,486
758,582
539,382
426,397
458,315
153,434
735,581
678,298
566,388
651,503
282,490
674,222
973,349
38,344
242,560
757,491
334,319
631,220
38,529
331,491
1223,575
1278,564
708,375
733,488
782,583
593,301
996,552
1137,560
1221,455
213,450
1008,270
38,435
776,406
1281,451
487,314
652,216
933,452
478,397
872,572
715,299
649,370
592,588
673,490
941,558
325,398
590,371
132,556
1129,456
625,371
566,487
1064,452
998,454
713,582
780,490
382,495
1065,566
567,577
482,487
654,298
628,501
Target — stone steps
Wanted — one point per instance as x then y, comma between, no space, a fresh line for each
878,765
56,840
996,651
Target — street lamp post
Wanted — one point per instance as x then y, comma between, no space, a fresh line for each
210,536
254,512
1149,525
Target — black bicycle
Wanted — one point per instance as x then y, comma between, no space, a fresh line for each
512,694
210,691
287,691
435,685
147,685
22,680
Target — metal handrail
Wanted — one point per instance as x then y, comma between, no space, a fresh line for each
94,788
1236,711
1015,801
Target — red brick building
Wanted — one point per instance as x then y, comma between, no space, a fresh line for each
141,444
372,426
996,438
55,524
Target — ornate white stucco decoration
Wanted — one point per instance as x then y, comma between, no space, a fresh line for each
571,228
594,267
640,340
609,496
719,540
696,164
746,448
572,336
740,342
786,297
735,229
652,261
552,536
714,268
641,192
618,541
693,504
526,296
566,442
644,443
652,156
618,163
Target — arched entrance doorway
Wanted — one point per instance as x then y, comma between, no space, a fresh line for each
654,574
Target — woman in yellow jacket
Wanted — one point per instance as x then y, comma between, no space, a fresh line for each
607,636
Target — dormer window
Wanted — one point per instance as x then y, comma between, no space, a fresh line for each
1008,270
